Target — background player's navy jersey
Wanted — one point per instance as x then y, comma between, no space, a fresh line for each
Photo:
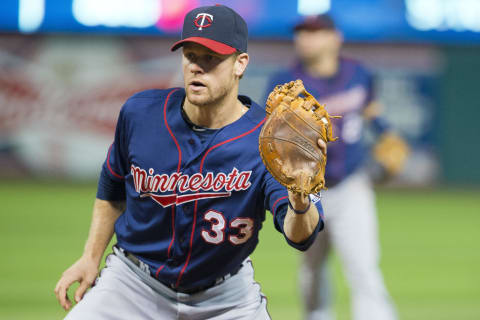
346,94
195,202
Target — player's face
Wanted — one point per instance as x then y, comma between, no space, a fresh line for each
310,44
208,76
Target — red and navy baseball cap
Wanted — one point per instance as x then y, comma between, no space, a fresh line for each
218,28
317,22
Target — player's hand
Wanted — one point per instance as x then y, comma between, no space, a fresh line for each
85,272
391,152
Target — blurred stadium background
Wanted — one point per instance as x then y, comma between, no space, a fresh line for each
67,66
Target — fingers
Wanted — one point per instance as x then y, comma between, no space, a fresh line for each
84,271
323,146
61,292
64,283
84,285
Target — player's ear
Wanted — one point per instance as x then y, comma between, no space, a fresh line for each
241,62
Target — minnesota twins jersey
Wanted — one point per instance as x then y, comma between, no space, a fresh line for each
195,201
346,94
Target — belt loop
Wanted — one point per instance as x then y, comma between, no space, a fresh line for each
139,263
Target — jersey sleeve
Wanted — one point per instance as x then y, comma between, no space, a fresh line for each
304,245
276,195
276,201
111,184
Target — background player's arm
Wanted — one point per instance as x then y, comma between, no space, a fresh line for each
85,269
372,110
390,150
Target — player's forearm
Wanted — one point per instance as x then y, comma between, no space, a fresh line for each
105,213
298,227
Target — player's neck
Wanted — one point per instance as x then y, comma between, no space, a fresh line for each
216,115
324,66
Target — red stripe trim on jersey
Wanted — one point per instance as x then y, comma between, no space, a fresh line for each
108,164
158,271
178,170
275,205
170,131
173,234
196,202
190,245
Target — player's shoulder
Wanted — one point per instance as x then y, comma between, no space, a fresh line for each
256,113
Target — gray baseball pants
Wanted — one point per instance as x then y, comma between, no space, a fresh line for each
125,292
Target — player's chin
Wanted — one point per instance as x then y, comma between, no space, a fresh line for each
198,98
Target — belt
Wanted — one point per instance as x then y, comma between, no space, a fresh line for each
145,268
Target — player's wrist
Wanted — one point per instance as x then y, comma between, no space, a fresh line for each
295,209
91,258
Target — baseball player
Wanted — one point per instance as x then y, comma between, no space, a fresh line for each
346,89
185,191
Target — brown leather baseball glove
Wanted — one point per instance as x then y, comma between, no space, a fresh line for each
391,152
288,140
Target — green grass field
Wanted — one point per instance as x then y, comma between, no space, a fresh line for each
430,252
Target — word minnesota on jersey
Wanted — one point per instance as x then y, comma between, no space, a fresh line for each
148,183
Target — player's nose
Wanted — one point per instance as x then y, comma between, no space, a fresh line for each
196,68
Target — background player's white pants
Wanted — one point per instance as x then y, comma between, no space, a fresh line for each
120,294
351,229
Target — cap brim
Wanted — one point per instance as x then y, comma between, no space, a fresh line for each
213,45
313,26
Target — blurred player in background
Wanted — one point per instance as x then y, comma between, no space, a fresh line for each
346,88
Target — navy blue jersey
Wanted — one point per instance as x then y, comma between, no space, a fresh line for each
347,94
194,202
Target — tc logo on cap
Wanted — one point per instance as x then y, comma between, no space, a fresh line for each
228,35
203,20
